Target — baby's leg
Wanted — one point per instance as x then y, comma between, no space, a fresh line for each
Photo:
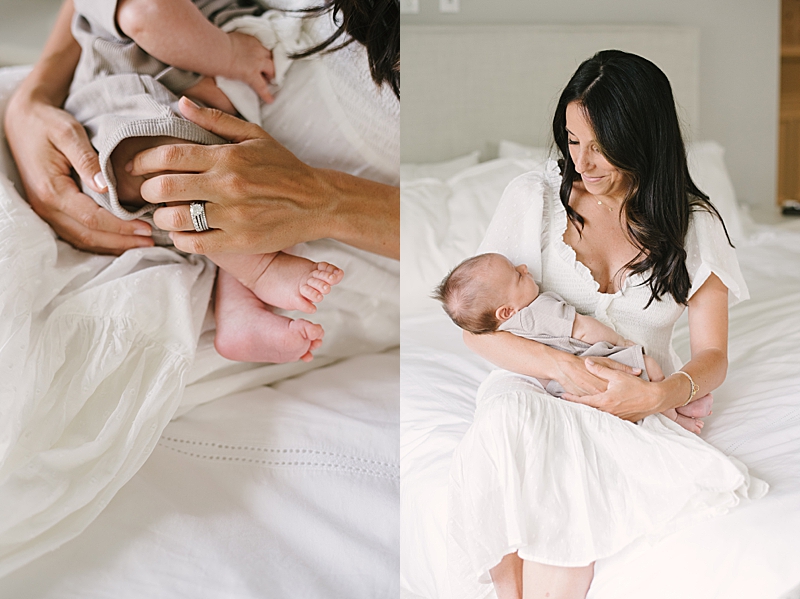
655,374
280,279
248,331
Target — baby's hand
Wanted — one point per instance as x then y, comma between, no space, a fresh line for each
252,63
628,343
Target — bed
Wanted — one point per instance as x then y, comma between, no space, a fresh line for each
751,551
277,481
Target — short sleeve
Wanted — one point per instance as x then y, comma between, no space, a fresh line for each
546,317
707,251
102,13
554,317
516,227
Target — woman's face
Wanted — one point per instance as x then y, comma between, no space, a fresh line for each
599,176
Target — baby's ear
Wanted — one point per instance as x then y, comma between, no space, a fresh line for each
505,312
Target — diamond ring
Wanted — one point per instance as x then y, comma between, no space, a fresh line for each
198,212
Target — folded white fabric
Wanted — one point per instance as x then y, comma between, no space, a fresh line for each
279,32
94,353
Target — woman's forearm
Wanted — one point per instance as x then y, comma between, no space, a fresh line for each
364,214
519,355
52,74
708,370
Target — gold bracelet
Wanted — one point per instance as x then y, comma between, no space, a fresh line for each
695,388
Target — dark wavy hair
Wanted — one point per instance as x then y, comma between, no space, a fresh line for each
628,102
373,23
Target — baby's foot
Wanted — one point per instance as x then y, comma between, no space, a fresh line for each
248,331
282,280
693,425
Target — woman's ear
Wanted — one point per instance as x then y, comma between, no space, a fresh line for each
503,313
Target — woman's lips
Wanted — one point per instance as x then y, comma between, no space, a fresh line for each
588,179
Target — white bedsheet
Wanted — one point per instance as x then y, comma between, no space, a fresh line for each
753,551
284,491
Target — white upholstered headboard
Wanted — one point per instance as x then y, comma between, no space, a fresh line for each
467,87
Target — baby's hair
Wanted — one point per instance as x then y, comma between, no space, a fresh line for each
467,301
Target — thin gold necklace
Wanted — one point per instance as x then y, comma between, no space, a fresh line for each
604,206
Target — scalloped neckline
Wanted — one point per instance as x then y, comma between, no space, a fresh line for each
566,251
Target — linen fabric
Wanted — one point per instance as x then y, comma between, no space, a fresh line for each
566,484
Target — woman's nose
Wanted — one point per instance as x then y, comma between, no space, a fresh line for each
581,161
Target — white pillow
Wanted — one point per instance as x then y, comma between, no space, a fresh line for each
511,149
438,170
442,223
707,167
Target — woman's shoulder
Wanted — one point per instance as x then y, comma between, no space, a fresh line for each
705,228
535,185
516,228
708,249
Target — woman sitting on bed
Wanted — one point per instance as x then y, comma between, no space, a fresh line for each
541,487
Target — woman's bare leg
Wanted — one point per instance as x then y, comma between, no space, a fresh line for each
507,577
554,582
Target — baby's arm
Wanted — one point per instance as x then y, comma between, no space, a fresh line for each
177,33
591,331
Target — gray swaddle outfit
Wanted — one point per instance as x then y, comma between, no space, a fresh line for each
549,319
119,91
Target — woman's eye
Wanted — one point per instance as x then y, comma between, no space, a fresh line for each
572,142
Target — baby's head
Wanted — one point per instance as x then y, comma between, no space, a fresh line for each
484,291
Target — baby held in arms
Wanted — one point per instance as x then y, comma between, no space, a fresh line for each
487,293
125,93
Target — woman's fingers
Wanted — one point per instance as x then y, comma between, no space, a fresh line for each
187,158
207,242
178,188
89,227
226,126
71,140
601,366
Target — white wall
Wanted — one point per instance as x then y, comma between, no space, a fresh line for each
739,66
24,28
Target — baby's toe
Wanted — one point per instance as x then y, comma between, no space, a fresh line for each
319,286
311,294
328,273
310,331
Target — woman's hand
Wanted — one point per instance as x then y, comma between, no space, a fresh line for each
260,197
531,358
578,381
47,143
626,396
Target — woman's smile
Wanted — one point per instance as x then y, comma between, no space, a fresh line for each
599,176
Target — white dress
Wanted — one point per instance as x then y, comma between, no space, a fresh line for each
98,353
563,483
